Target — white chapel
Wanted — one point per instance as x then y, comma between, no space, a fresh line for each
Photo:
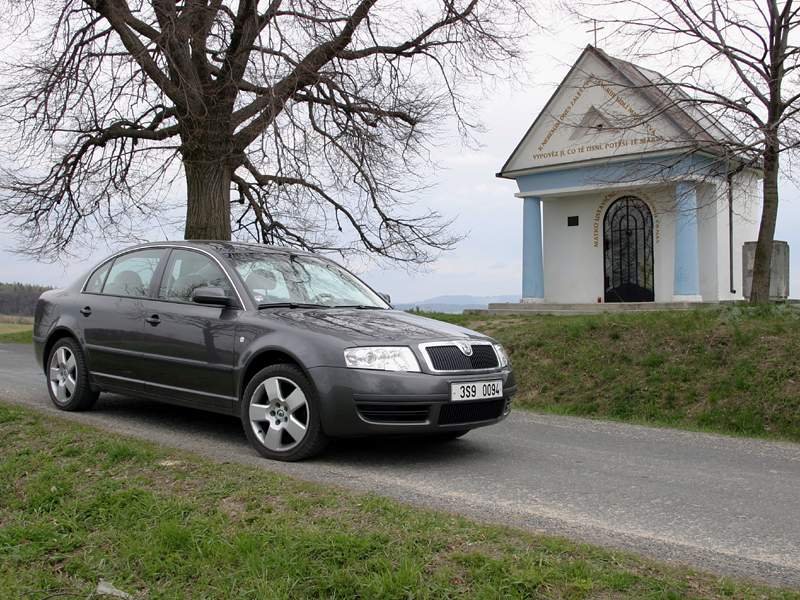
628,195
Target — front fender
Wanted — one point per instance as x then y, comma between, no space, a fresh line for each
305,351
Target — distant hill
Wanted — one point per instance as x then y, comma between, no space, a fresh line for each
19,298
454,303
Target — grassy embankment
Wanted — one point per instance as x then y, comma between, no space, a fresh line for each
78,505
734,370
15,329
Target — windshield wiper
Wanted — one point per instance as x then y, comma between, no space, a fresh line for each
291,305
359,306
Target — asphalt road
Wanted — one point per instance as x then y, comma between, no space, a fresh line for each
726,505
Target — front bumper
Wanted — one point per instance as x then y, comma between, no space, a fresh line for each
360,402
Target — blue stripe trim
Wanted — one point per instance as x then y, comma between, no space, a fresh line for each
655,169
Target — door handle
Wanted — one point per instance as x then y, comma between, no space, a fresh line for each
86,311
153,320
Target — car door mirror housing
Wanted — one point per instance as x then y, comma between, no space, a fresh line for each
211,295
386,297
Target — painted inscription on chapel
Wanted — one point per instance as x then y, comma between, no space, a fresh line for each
617,99
608,198
648,136
562,117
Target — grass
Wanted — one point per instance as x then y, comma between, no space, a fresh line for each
16,333
733,370
16,329
78,505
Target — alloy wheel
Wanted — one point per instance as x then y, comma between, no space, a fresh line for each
63,374
279,414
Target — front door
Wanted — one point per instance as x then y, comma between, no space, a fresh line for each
628,251
189,347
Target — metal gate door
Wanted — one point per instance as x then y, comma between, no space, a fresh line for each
628,251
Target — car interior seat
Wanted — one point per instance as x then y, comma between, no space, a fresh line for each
261,282
200,274
126,283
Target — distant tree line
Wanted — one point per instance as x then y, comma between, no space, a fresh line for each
19,298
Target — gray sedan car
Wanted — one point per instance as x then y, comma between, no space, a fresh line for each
296,346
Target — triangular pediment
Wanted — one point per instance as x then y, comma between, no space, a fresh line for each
592,122
604,108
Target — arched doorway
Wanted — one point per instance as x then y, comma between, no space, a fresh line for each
628,251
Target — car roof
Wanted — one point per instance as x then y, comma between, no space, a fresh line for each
225,247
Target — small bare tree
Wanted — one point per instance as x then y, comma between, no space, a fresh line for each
317,114
737,60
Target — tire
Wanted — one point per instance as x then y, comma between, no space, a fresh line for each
68,377
280,423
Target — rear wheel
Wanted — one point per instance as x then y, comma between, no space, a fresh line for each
68,377
280,414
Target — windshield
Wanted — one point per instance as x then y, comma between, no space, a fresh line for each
287,279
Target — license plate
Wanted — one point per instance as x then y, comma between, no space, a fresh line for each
476,390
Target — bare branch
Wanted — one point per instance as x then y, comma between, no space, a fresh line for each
304,122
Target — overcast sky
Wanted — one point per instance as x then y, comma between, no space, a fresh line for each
488,261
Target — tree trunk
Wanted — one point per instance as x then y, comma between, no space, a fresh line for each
759,293
208,201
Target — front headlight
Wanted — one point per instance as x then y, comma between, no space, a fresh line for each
382,358
502,357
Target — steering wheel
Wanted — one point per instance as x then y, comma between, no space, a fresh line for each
324,298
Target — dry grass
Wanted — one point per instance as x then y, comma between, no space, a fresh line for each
15,320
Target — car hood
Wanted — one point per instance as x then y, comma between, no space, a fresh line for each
373,326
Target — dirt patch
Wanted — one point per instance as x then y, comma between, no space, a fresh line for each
233,507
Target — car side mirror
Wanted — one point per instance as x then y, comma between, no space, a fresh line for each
211,295
386,297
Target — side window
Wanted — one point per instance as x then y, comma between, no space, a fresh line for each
186,271
98,278
132,273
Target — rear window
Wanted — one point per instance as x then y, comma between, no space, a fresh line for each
132,273
98,278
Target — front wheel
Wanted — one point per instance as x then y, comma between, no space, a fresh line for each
68,377
280,414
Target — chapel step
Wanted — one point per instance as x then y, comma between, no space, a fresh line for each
520,308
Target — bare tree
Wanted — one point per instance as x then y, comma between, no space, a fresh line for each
317,114
738,61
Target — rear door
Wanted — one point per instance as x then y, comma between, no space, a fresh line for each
114,308
190,346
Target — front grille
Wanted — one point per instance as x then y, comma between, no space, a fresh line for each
394,413
471,412
447,357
